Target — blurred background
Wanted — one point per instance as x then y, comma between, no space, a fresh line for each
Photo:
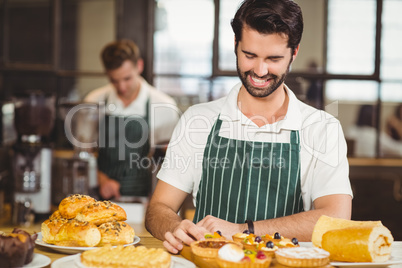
350,58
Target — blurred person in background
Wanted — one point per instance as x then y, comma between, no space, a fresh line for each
364,135
394,124
138,117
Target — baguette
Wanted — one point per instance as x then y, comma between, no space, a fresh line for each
358,244
71,205
100,212
326,223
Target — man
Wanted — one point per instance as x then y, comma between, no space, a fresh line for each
258,155
138,117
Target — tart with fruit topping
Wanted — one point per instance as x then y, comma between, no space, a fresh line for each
209,248
302,257
215,235
233,256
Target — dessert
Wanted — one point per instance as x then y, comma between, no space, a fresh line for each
122,257
209,248
326,223
358,244
266,243
16,248
233,256
302,257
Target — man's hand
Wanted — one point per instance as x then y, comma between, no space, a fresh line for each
108,187
213,224
185,233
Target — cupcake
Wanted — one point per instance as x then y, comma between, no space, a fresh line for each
233,256
302,257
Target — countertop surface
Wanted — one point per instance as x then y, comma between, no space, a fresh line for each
147,240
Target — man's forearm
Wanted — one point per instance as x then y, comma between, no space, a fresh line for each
161,219
299,225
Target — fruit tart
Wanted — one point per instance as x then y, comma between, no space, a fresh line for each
209,247
233,256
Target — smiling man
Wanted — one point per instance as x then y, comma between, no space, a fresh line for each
270,163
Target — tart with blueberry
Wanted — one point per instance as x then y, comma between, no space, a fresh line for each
233,256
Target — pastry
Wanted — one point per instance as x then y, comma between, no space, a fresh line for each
115,233
326,223
50,228
302,257
71,205
209,248
233,256
16,248
122,257
267,243
358,244
75,233
100,212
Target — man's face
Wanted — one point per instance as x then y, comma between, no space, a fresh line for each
263,61
125,79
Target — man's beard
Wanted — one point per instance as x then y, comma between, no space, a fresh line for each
259,92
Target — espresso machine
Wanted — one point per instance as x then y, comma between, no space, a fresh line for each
34,114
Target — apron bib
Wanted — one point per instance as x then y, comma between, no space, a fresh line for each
245,180
124,157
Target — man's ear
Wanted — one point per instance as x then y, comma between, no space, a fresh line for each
140,65
295,52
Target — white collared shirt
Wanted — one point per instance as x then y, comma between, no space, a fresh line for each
324,165
163,111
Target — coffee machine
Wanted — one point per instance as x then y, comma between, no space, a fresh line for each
34,114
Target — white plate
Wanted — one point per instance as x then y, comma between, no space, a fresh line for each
72,250
74,261
38,261
391,261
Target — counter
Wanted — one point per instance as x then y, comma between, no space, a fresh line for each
149,241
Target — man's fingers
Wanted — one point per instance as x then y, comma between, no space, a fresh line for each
175,245
170,248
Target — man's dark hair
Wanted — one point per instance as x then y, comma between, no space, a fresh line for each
268,17
115,53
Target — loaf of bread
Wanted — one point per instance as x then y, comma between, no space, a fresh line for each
326,223
100,212
116,233
75,233
50,228
71,205
358,244
121,257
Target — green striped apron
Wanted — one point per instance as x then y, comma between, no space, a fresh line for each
123,162
246,180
